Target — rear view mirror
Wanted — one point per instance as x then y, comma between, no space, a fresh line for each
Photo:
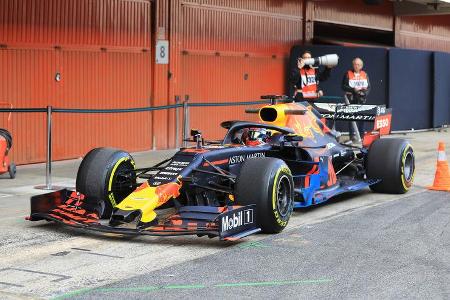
293,138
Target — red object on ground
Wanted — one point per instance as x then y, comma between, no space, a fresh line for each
6,166
4,160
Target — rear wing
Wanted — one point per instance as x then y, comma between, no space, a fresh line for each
350,112
378,114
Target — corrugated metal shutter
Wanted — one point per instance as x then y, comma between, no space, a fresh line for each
233,51
102,51
121,23
355,13
423,32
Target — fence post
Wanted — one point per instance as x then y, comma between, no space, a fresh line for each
48,167
185,120
177,123
48,164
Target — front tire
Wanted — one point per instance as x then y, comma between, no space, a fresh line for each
267,182
106,175
392,161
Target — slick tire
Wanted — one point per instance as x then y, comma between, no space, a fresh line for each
267,182
392,161
106,175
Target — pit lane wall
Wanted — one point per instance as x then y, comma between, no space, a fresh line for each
412,82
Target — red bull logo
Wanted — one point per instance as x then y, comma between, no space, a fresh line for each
166,191
305,125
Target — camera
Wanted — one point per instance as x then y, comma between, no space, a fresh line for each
330,60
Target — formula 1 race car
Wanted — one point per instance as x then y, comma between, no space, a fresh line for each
249,182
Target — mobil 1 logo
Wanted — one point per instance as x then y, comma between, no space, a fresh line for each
237,220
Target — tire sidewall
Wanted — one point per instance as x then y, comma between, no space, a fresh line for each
98,168
257,183
408,149
282,172
386,161
114,165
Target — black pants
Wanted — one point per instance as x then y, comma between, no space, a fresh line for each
360,125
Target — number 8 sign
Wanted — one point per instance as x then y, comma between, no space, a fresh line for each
162,52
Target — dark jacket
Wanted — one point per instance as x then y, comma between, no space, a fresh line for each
355,97
295,78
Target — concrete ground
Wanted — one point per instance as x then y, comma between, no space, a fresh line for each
363,245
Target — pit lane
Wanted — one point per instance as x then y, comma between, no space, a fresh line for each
41,260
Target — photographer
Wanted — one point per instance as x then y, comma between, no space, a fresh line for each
356,86
306,78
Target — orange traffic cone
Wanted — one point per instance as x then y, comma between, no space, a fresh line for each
442,177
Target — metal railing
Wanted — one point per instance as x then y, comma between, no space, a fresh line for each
185,105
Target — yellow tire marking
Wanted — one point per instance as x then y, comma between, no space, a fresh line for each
114,171
409,146
274,188
111,196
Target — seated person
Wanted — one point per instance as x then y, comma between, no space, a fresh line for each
252,136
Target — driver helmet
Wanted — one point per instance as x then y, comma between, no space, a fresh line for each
256,136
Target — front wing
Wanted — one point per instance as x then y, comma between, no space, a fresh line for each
71,209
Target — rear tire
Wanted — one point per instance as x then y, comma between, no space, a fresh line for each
392,161
99,177
267,182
